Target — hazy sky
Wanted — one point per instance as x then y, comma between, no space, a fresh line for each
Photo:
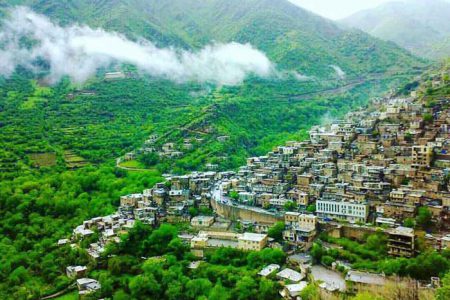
337,9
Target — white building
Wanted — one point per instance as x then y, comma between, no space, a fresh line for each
290,275
269,270
350,211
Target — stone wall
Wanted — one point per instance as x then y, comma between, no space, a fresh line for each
235,213
347,231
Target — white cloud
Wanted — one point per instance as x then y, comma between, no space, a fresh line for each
78,51
339,72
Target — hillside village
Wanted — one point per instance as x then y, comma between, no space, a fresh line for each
374,171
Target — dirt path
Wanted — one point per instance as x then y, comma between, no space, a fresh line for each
60,293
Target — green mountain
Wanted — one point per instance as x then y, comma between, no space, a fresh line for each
59,144
289,35
421,26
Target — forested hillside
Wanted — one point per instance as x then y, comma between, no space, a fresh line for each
289,35
59,143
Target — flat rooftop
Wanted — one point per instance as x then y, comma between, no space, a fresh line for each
402,231
256,237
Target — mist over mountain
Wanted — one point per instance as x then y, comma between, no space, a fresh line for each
421,26
291,37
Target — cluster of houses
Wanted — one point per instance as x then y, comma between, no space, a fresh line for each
172,150
378,166
166,150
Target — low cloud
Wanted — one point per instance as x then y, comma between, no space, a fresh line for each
339,72
327,119
79,51
300,77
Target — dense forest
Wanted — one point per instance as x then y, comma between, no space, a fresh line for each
59,145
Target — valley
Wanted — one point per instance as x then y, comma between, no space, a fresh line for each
139,137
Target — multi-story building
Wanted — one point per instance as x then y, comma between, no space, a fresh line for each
401,242
422,156
300,228
346,210
252,241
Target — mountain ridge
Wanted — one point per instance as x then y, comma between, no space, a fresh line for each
419,26
289,35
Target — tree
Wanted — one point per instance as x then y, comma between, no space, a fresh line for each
193,211
227,256
443,293
377,242
149,159
291,206
245,288
327,260
311,208
121,295
409,222
257,259
317,252
268,289
158,241
174,290
218,292
408,137
423,218
428,264
144,287
198,287
276,231
177,247
427,118
234,195
311,292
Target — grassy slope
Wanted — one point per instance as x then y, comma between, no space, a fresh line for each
419,26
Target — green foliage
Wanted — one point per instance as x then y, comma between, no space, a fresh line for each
218,292
427,118
150,159
225,256
265,257
311,208
377,242
443,292
311,292
246,288
317,252
276,231
375,247
198,287
327,260
100,121
365,296
193,211
291,206
409,222
424,217
234,195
